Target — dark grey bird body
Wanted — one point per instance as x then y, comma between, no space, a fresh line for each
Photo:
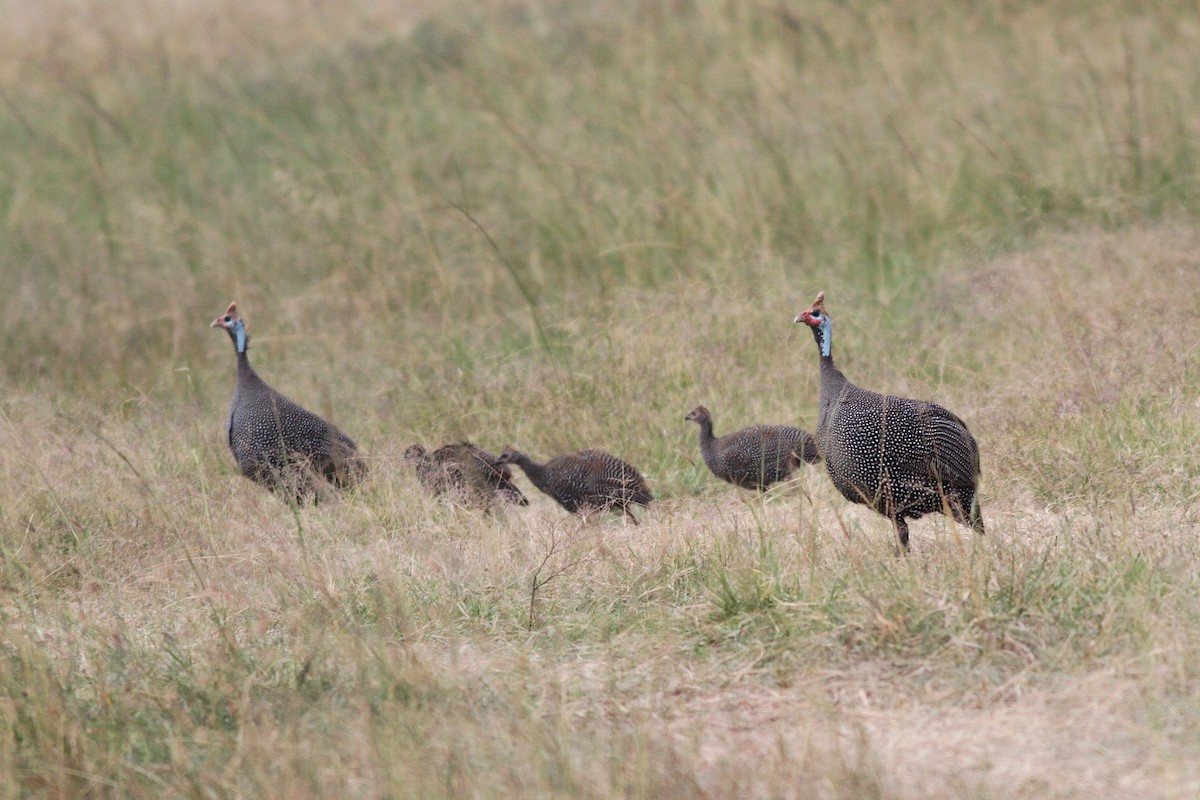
466,471
753,457
903,458
585,481
276,442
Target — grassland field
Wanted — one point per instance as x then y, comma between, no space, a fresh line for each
558,225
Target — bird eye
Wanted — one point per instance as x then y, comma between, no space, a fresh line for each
228,318
816,314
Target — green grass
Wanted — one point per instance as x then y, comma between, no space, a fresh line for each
565,225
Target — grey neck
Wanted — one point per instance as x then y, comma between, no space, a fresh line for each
534,471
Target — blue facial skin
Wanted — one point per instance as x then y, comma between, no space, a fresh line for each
825,337
824,327
239,334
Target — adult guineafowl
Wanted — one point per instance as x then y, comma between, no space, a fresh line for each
754,457
903,458
276,442
586,481
467,472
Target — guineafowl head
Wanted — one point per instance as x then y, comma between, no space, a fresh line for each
511,455
817,318
700,415
415,452
232,323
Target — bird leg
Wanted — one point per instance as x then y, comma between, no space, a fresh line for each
971,517
976,516
901,535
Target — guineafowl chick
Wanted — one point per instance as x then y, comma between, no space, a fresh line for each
466,471
585,481
277,443
754,457
903,458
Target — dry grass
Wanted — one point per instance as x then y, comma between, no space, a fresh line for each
168,629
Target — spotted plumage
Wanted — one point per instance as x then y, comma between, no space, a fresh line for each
276,442
585,481
754,457
904,458
468,473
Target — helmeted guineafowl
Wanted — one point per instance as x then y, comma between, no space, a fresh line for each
276,442
754,457
903,458
585,481
466,471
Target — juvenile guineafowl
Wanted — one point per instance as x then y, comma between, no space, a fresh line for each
585,481
470,473
276,442
903,458
754,457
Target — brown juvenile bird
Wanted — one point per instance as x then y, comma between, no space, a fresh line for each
469,473
585,481
754,457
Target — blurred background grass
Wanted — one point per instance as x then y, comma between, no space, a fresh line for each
474,222
477,206
495,176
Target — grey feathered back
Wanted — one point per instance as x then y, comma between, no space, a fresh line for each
753,457
276,442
